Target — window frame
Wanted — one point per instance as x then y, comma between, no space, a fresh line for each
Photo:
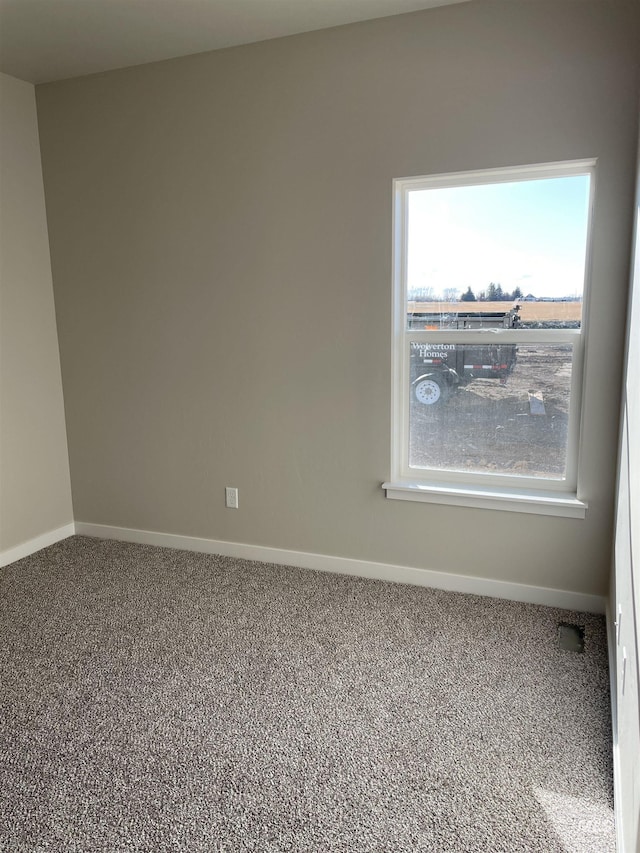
500,491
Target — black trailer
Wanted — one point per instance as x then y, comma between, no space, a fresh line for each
436,370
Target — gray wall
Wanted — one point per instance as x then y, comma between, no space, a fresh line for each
221,245
35,492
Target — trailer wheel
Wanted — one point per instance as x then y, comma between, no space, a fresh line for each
427,392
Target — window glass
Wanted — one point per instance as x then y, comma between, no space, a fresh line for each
509,413
489,277
485,246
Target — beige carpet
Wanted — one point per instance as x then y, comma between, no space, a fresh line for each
159,700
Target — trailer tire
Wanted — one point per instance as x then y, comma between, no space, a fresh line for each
428,391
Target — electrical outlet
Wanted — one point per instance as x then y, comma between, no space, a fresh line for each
231,497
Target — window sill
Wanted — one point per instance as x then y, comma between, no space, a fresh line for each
509,500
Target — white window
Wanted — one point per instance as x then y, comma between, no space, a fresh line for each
490,305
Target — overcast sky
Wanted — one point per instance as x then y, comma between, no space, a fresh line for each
530,233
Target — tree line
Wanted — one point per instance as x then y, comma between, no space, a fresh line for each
493,293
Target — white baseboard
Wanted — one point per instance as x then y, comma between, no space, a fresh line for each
360,568
36,544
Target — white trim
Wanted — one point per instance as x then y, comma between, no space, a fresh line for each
360,568
503,174
511,500
489,337
613,690
36,544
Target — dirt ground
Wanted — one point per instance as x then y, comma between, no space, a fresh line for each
488,426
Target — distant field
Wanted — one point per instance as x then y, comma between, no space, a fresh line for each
528,310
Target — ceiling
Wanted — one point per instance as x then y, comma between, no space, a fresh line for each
45,40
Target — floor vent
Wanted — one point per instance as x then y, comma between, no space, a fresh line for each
571,637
